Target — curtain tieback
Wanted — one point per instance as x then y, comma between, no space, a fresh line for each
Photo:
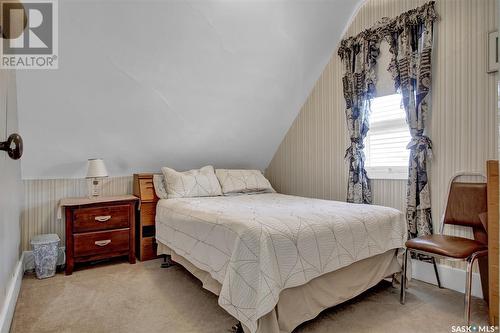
422,146
420,142
354,151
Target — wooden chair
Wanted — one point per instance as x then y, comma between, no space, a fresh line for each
466,206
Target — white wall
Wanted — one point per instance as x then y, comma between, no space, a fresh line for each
10,195
145,84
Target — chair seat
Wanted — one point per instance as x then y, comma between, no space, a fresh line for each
448,246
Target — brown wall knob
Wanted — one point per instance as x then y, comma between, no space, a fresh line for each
13,146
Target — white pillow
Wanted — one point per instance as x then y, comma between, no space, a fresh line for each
243,181
193,183
160,187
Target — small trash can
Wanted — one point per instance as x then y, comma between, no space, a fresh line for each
45,250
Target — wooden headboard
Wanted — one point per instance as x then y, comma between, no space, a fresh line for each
145,220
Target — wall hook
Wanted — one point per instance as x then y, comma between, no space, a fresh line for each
13,146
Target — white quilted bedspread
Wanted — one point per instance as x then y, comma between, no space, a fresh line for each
258,245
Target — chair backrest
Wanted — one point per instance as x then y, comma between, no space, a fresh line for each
467,201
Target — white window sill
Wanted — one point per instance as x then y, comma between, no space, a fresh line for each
397,173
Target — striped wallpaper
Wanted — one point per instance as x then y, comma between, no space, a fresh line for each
463,124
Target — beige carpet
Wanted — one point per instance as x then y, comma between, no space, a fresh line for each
146,298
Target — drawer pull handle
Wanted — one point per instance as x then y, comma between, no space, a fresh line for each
103,242
103,218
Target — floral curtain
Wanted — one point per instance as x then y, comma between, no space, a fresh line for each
358,61
411,69
410,39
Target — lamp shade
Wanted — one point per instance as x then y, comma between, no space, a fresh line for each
96,168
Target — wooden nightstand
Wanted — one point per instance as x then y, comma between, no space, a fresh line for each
99,228
145,236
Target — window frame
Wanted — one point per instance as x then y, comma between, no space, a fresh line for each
385,172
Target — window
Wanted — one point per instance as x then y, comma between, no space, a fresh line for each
385,144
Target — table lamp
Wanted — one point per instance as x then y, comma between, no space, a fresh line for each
96,171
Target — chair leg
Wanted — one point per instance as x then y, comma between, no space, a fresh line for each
436,272
402,297
468,283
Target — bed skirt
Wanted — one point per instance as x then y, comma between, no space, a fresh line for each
300,304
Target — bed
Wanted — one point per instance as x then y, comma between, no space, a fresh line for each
276,260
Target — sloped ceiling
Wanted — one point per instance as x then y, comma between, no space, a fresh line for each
145,84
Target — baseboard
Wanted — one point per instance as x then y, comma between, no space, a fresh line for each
11,298
29,259
451,278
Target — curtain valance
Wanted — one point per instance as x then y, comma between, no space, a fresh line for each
386,28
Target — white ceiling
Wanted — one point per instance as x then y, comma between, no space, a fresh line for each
145,84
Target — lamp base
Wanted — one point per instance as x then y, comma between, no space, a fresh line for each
94,187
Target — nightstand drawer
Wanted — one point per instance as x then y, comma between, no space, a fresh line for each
101,242
101,218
